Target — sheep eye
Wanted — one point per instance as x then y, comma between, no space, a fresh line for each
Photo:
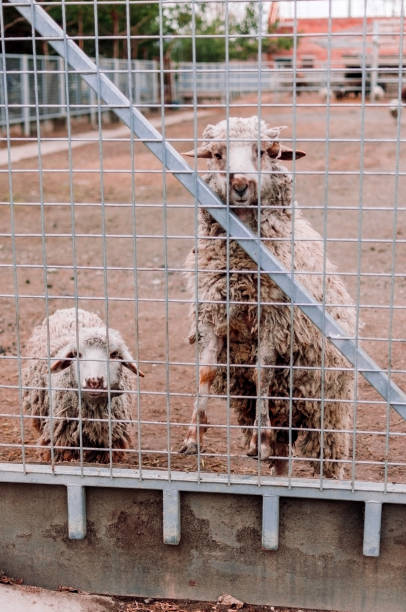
218,155
72,355
115,355
262,153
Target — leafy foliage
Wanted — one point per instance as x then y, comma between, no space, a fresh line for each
202,30
241,34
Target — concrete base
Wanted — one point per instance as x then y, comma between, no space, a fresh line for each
33,599
319,563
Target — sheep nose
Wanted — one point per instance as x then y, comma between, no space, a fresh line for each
240,186
95,383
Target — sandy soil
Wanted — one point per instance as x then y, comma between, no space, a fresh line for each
157,329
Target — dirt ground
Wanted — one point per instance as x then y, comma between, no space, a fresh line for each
18,596
151,309
199,606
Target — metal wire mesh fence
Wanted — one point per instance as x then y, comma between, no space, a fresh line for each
292,295
49,76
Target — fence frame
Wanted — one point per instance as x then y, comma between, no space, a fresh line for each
372,494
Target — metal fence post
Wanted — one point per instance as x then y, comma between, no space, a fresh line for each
138,81
25,89
61,88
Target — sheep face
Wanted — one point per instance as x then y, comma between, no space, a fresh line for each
96,363
241,156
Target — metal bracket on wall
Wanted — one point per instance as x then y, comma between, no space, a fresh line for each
171,516
372,529
76,499
270,522
76,512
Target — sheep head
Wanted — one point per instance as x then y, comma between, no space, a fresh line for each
96,362
242,154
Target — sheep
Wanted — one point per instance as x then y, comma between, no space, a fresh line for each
377,93
260,348
395,104
83,355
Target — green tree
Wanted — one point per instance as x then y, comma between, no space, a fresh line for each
110,21
114,21
243,32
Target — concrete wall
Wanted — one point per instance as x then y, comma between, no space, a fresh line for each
319,563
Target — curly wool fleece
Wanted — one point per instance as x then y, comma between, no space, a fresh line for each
290,337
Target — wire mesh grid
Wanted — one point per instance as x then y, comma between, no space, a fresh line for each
93,223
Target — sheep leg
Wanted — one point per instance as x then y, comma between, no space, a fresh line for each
260,444
335,444
207,372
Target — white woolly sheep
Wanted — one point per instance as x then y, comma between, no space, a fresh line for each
83,355
260,351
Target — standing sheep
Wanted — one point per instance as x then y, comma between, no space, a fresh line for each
87,397
267,359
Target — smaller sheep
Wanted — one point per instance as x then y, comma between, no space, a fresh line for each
75,386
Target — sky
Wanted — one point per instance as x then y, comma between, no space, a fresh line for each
340,8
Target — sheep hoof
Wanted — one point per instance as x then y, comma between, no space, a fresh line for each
265,451
189,448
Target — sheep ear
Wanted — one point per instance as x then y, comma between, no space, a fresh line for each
63,363
60,365
200,152
287,153
278,151
131,366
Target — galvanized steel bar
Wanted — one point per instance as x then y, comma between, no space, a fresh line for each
270,522
48,29
171,516
76,511
301,488
372,528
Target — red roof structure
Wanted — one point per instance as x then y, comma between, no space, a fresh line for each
349,38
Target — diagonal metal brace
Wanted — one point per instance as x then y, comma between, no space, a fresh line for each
172,160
